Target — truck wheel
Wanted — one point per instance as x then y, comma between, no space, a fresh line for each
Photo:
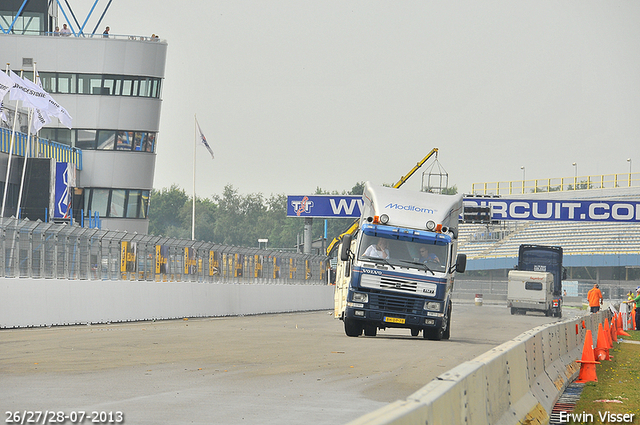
447,331
352,327
514,310
415,332
370,330
548,313
433,334
558,314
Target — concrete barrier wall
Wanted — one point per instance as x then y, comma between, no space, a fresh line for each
516,382
44,302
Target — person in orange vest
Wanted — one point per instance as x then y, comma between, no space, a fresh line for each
594,296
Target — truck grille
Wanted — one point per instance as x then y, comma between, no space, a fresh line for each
385,282
400,284
395,303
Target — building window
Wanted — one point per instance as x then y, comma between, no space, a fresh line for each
144,208
106,140
125,140
66,83
121,203
118,203
98,202
86,139
49,81
133,203
97,84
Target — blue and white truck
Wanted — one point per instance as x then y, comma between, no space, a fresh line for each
398,270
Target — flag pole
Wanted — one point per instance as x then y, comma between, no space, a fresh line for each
193,207
13,132
27,150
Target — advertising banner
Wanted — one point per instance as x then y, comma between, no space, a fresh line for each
214,263
328,206
558,210
162,254
190,263
65,179
128,256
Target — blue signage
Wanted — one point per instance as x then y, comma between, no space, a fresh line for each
559,210
327,206
335,206
62,191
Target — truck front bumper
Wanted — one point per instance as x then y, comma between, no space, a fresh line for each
389,319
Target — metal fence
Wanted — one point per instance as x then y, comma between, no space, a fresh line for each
33,249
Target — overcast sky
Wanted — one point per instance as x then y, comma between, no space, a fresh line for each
292,95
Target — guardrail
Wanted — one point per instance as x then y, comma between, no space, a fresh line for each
33,249
516,382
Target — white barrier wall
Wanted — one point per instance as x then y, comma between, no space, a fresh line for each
516,382
45,302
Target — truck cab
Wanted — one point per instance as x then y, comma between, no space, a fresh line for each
398,271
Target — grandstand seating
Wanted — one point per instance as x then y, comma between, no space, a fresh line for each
576,238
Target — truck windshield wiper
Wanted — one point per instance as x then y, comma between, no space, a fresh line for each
384,260
419,264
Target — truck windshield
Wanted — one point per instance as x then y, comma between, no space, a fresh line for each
399,253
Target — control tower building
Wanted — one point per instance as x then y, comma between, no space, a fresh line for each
112,87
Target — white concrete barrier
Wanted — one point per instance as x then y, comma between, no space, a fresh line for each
516,382
46,302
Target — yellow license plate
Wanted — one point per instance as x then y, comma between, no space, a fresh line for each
394,320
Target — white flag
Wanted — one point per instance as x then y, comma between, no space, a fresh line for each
40,118
35,96
6,84
28,93
203,140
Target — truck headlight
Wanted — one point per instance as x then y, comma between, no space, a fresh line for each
360,297
432,305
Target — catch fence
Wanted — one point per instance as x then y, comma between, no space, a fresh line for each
33,249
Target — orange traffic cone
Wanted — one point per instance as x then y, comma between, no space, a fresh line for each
607,334
588,362
621,331
614,330
601,351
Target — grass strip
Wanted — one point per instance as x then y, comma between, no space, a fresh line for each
617,391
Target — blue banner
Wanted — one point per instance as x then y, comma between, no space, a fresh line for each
339,206
328,206
559,210
62,195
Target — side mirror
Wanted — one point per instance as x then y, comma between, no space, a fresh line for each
461,263
345,248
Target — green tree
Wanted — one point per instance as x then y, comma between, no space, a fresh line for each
166,212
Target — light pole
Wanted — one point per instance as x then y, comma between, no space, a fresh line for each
523,179
629,161
575,175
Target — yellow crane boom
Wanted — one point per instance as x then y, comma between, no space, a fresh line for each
356,224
